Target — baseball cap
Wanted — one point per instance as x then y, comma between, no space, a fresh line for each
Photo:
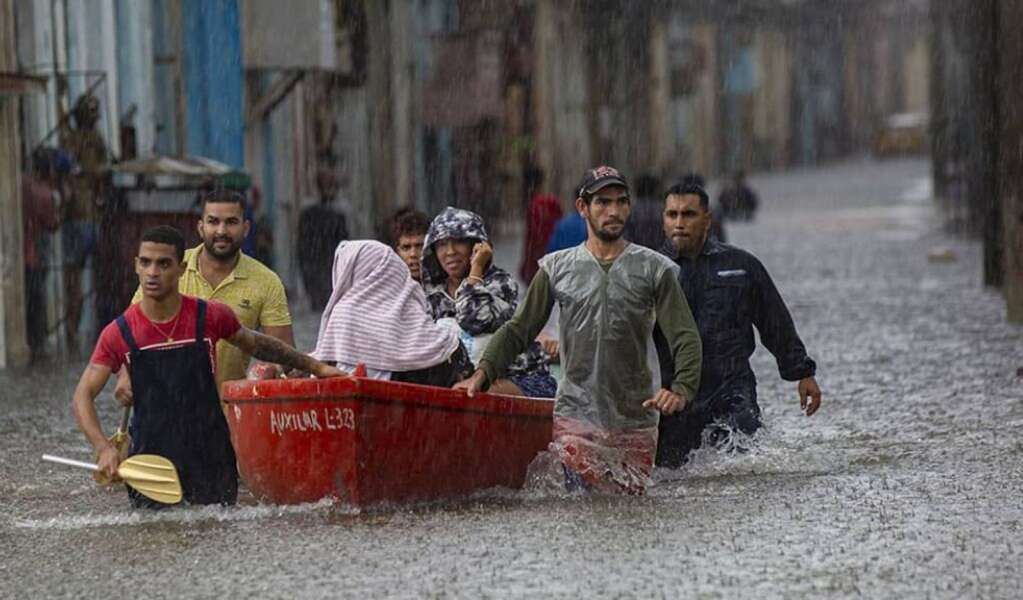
599,178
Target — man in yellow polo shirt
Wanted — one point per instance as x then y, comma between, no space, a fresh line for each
217,269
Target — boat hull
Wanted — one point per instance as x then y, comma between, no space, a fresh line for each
366,441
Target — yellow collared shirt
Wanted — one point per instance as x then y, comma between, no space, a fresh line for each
254,293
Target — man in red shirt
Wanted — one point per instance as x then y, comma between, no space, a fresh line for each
168,342
39,217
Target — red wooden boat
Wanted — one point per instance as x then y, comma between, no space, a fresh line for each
367,441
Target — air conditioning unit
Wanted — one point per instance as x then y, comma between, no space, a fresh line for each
322,35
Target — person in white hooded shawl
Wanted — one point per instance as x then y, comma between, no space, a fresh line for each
378,316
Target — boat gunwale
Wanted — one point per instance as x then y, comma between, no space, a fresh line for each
377,392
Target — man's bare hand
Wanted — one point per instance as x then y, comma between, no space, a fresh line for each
323,371
122,391
473,384
262,370
666,401
549,345
108,460
809,395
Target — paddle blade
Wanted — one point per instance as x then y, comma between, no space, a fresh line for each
152,476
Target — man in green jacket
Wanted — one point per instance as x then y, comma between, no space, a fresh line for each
611,295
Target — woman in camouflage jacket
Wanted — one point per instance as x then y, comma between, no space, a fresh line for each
462,283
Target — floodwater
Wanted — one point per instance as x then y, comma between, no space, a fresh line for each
908,482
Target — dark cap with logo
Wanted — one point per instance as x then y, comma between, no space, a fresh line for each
599,178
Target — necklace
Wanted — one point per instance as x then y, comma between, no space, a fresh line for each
169,336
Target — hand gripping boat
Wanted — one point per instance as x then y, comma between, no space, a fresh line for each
367,441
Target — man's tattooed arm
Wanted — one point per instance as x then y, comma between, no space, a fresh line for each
273,350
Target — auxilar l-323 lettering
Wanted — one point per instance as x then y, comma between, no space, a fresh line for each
312,420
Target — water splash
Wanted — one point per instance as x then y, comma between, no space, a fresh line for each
184,515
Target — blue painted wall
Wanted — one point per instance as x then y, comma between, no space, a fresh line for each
214,80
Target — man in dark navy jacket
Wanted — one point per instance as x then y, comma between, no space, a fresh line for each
729,292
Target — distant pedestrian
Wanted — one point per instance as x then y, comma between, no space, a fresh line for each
321,228
738,200
730,293
40,196
569,232
80,230
405,232
261,234
644,226
542,215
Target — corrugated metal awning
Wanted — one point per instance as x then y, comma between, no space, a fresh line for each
16,84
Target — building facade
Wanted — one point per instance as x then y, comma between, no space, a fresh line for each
384,103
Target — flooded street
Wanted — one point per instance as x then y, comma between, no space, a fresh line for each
907,483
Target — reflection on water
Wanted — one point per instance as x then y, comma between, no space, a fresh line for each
907,483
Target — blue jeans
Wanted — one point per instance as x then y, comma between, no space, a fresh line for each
79,239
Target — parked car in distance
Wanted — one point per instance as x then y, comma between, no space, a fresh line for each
903,133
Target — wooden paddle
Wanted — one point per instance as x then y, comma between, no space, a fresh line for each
152,476
120,439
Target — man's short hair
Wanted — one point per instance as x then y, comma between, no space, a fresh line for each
222,196
43,160
694,177
646,185
165,234
405,221
533,177
685,187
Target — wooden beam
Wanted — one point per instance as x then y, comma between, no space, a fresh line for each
1007,216
16,84
13,341
278,91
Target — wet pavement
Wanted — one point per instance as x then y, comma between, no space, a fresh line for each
908,483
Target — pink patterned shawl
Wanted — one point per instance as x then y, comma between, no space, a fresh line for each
378,315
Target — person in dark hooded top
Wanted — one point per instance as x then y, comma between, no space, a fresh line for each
321,227
644,224
463,283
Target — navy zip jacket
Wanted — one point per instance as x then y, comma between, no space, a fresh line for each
729,292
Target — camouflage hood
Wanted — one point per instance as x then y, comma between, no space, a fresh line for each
451,223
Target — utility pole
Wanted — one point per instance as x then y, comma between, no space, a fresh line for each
381,118
1009,220
983,20
13,343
